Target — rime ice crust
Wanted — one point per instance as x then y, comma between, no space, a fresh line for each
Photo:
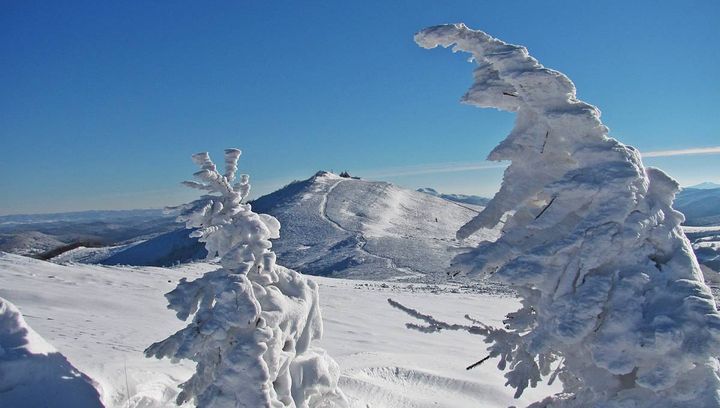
253,322
610,288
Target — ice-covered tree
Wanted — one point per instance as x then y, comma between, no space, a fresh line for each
613,300
253,321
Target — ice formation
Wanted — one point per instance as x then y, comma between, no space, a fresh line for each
254,322
33,373
613,299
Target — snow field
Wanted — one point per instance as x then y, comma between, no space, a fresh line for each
102,318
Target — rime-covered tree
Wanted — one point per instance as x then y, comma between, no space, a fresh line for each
253,321
613,300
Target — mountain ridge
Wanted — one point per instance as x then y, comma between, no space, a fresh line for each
348,227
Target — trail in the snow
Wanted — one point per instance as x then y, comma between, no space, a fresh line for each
361,239
323,207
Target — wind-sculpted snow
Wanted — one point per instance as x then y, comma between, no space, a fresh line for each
254,323
33,373
612,296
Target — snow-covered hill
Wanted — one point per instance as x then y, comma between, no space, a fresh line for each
333,226
29,243
346,227
166,249
102,317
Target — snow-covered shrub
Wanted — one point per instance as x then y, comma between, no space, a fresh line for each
253,322
613,299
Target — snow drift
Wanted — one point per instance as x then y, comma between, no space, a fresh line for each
613,298
33,373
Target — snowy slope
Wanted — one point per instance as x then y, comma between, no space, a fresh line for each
344,227
29,243
102,317
164,250
83,254
333,226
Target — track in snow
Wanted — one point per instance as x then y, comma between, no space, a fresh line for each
409,273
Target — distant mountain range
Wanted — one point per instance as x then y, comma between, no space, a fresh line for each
42,235
705,185
458,198
83,216
701,206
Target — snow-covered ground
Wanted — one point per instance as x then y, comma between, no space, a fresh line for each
102,317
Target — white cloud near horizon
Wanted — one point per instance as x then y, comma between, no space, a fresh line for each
436,168
431,169
682,152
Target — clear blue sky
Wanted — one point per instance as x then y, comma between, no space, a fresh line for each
102,103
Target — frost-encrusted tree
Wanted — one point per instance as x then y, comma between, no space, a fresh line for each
611,292
253,321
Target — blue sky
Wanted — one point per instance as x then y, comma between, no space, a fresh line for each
102,103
